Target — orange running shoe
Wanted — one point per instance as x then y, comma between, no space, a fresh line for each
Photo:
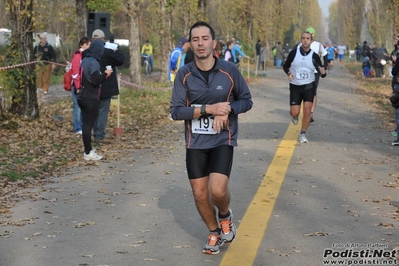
229,229
213,245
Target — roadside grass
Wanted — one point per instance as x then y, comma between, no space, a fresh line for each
376,92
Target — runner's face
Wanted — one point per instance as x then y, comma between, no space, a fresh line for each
202,43
306,40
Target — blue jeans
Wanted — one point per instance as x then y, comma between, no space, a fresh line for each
76,113
102,120
278,63
259,62
366,71
151,65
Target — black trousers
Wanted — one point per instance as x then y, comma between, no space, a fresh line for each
89,109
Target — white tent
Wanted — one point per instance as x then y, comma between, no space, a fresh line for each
53,39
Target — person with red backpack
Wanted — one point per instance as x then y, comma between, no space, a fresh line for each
84,43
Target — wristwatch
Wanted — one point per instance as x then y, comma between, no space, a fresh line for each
203,111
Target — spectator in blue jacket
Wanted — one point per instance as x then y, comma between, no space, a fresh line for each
236,49
366,65
175,58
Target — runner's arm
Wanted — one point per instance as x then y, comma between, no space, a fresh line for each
288,61
318,65
179,100
242,96
325,60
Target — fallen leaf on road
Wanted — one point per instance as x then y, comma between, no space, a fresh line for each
319,233
387,225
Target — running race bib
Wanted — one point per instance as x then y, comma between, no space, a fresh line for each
303,74
202,124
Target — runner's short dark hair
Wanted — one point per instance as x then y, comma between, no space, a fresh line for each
201,24
311,35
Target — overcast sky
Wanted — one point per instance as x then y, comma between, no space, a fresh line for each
324,4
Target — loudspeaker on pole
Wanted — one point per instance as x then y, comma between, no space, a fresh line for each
98,20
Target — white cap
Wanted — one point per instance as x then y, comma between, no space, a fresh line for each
98,34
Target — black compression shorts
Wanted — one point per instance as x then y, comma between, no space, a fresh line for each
301,93
202,162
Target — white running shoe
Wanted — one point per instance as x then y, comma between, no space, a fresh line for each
93,156
302,138
395,143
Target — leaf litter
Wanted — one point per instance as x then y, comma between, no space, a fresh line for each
33,152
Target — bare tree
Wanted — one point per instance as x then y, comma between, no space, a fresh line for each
81,18
165,28
21,82
132,11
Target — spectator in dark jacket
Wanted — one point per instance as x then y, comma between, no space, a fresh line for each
88,98
395,96
366,50
109,87
377,62
257,49
394,52
44,51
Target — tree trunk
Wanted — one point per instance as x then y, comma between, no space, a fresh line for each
22,81
202,9
81,18
164,33
134,41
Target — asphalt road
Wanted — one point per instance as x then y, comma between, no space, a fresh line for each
337,192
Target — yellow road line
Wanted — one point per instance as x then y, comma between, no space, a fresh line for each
254,223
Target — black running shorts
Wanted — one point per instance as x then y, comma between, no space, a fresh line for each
202,162
301,93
